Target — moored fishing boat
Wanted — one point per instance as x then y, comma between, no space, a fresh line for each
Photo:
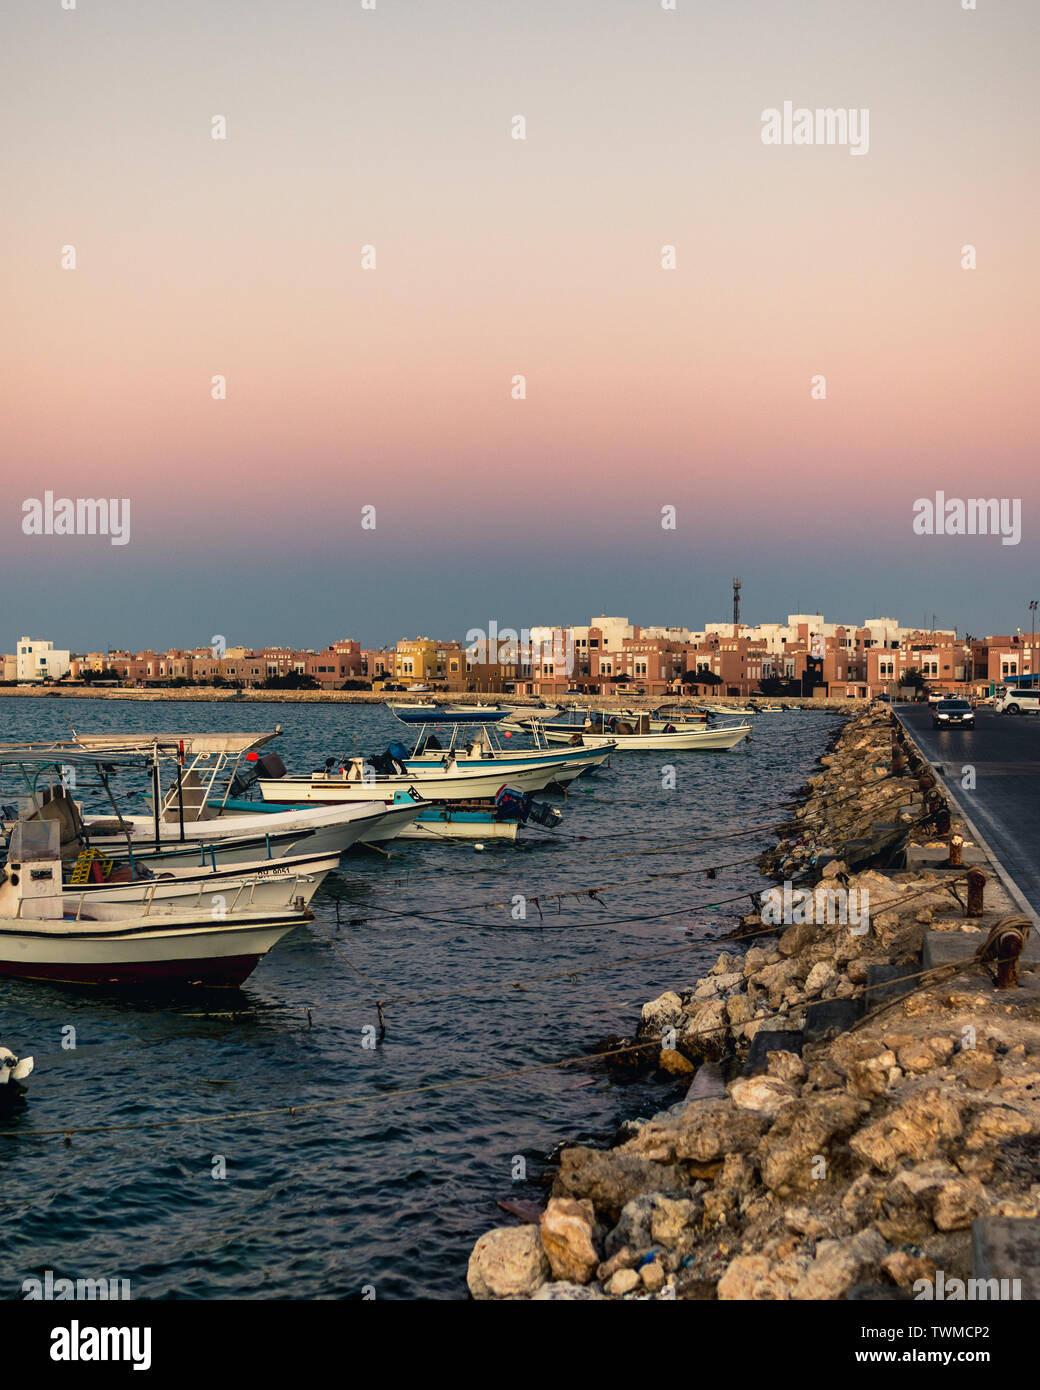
439,772
634,736
498,819
190,823
115,944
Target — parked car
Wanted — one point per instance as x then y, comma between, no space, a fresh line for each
948,713
1018,701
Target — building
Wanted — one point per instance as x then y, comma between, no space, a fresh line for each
339,662
37,660
415,661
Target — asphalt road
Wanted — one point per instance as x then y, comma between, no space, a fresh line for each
1004,804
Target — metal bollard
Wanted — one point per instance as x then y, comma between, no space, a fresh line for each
976,889
1003,947
956,846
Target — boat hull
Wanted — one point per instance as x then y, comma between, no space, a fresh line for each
223,953
689,740
238,839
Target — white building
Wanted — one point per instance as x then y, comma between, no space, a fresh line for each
38,659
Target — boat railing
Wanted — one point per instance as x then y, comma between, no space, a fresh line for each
144,907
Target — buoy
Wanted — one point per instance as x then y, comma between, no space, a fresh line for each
478,846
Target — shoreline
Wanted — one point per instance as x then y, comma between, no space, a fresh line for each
204,694
861,1097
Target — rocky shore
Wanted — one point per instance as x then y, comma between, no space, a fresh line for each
852,1109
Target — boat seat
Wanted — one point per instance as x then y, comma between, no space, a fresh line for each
57,805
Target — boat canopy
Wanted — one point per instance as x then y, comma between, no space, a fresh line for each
141,744
424,714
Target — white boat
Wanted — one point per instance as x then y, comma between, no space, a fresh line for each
191,823
114,944
314,829
455,781
477,770
643,738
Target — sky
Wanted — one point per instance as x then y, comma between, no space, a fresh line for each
393,387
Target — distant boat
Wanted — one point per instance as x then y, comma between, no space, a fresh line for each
638,735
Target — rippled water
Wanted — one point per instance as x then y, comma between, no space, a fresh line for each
392,1191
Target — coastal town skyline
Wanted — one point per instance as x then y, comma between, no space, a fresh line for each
455,631
609,655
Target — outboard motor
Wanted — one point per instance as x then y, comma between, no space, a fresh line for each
519,806
270,766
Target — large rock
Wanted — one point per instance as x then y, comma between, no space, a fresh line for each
705,1027
750,1277
674,1062
670,1218
666,1011
709,1130
757,1278
872,1076
909,1200
765,1094
919,1128
610,1180
924,1054
839,1264
785,1066
995,1123
569,1239
508,1262
958,1203
803,1132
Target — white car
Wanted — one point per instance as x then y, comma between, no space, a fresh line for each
1018,702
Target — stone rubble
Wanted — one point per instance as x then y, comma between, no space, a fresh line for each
859,1157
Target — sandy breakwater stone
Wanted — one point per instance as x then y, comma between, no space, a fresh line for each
568,1229
839,1264
919,1128
765,1094
611,1180
803,1131
508,1262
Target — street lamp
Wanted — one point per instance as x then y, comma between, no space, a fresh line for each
1032,641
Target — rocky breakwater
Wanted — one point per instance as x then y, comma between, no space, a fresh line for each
844,1125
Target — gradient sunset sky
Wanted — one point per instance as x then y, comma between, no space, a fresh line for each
392,387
